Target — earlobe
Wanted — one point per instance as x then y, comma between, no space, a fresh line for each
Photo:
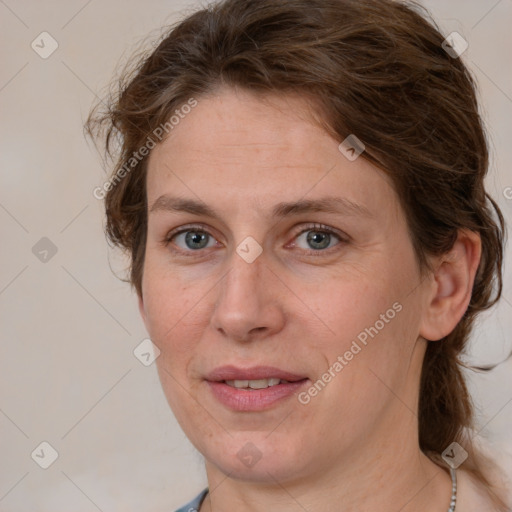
451,287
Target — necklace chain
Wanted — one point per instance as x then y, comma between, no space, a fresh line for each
454,491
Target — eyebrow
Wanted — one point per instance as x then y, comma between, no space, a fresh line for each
329,204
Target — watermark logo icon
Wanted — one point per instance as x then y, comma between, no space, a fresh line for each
44,250
146,352
249,454
455,45
351,148
44,45
454,455
249,249
44,455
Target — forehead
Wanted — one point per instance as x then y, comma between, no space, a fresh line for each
234,123
253,150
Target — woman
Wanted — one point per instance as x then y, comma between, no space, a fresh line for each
300,187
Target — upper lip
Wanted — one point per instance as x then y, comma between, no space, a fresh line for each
230,372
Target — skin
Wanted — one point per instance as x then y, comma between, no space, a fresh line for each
241,155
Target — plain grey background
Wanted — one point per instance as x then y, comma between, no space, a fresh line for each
68,375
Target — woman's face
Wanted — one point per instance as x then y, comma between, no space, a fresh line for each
268,282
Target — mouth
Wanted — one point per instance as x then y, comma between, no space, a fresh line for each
255,384
253,389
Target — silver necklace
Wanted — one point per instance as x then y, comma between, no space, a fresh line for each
454,490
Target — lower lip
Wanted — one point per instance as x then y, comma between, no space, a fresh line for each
256,399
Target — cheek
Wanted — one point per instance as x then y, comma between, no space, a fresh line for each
171,309
172,319
369,317
167,293
350,303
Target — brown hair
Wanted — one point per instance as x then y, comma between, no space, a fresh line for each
378,70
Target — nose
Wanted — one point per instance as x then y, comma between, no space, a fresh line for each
247,305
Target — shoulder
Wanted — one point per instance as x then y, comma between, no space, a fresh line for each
472,497
193,506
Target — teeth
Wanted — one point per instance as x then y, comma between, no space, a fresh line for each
254,384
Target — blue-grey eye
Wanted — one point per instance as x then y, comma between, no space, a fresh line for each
318,239
195,240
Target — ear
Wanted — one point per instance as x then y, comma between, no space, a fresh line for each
452,286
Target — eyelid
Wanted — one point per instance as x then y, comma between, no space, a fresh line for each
186,227
320,227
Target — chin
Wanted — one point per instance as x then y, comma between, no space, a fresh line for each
257,460
262,472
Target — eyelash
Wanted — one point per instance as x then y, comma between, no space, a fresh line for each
199,229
